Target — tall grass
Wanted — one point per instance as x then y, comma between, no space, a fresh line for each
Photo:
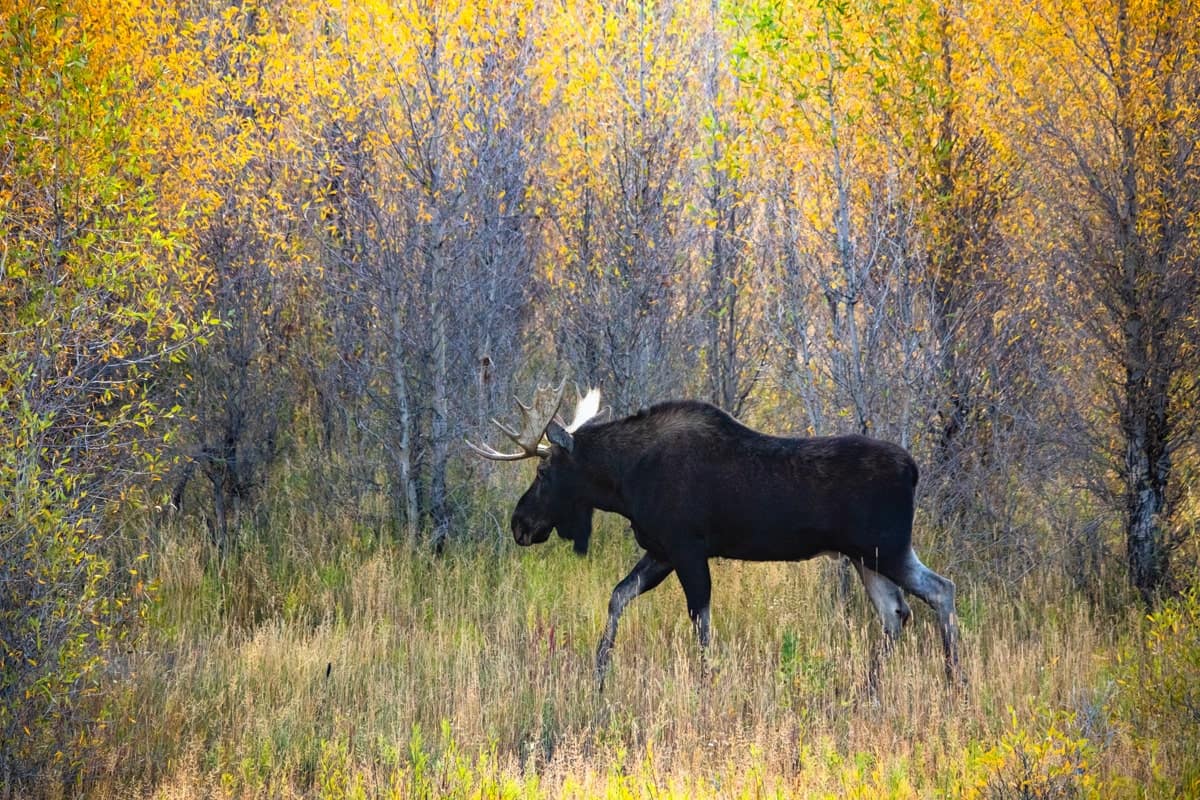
322,659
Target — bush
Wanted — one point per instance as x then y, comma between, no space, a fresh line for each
94,302
1159,699
1042,761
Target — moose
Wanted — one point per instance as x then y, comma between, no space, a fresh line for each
696,484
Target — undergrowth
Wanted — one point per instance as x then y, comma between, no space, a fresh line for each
327,660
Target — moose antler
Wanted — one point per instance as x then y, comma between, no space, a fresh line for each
535,418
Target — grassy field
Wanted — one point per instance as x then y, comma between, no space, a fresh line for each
318,661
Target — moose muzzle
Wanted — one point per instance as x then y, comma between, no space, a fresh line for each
527,532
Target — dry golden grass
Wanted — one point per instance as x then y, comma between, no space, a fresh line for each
338,667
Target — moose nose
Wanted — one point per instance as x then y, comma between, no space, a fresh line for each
521,531
529,531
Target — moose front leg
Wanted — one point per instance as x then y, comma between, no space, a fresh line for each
697,588
645,575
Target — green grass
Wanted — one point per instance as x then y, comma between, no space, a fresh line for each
330,664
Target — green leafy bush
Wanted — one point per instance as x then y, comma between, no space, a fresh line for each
93,308
1158,702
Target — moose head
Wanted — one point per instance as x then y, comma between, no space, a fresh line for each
554,499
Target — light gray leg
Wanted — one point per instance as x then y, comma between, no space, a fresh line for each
889,602
893,610
644,576
938,592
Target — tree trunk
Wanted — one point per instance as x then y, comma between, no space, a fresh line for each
1147,365
1147,467
404,418
439,446
847,366
1144,541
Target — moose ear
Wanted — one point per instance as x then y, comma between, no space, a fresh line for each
559,435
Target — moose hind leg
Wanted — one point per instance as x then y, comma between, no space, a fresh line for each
938,593
889,602
894,613
644,576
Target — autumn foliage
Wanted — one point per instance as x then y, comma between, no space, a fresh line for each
261,249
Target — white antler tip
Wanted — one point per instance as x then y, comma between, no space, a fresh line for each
587,409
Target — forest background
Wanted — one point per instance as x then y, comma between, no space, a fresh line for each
264,265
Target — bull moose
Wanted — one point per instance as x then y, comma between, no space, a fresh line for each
697,484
